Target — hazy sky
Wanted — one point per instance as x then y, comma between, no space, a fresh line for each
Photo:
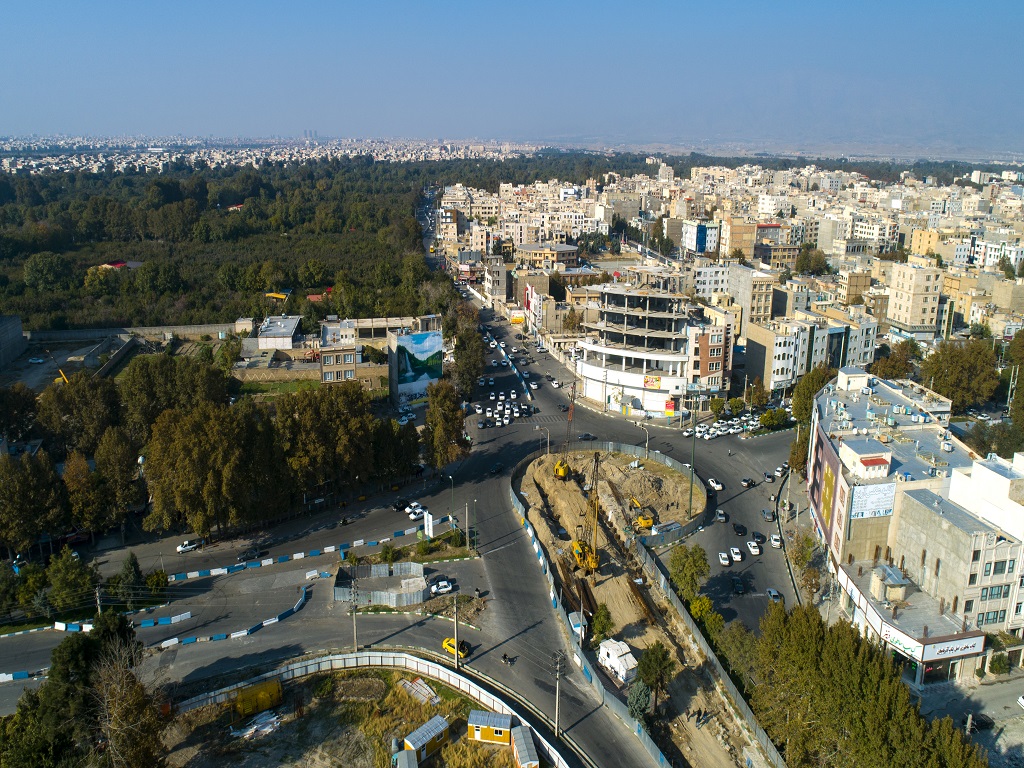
783,74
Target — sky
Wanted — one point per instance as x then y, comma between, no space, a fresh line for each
940,77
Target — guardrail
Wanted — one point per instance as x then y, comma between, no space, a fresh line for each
656,573
393,660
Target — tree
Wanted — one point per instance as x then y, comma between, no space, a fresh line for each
810,581
47,272
687,568
32,499
443,432
963,372
701,607
811,261
1007,266
736,405
1015,349
717,405
78,412
738,646
388,554
639,701
806,389
757,394
899,363
131,582
8,588
655,668
738,255
774,419
71,581
17,411
85,496
469,359
801,551
117,469
798,450
571,321
126,713
601,625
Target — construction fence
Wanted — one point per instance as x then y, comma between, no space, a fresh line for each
658,576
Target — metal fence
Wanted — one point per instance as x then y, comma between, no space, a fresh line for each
399,597
657,575
393,660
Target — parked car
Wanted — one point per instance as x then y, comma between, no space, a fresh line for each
497,468
36,360
769,478
737,555
441,587
586,436
747,482
768,515
776,541
720,515
417,514
779,471
979,722
723,559
534,385
189,545
737,585
250,554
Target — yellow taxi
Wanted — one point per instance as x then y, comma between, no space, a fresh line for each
449,645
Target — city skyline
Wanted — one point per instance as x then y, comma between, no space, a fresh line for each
910,79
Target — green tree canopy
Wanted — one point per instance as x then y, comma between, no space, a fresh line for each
78,412
443,433
807,388
963,372
655,668
688,568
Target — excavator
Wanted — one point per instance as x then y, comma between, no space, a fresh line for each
62,379
562,469
584,547
642,519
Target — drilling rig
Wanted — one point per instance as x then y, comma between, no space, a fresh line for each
584,547
562,470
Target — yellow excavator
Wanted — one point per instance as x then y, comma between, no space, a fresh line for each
642,519
584,548
562,469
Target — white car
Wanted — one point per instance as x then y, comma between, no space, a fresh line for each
188,546
490,412
418,512
36,360
501,344
534,385
712,483
506,420
501,395
778,471
737,556
555,385
754,547
526,374
776,541
494,363
513,394
442,587
493,345
478,408
723,559
491,396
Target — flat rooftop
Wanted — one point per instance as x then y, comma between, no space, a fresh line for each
887,415
951,512
280,326
917,612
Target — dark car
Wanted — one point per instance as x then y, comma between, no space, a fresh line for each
250,554
979,722
400,505
768,515
741,530
563,408
586,436
497,468
738,586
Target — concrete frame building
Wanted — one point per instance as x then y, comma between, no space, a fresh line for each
648,350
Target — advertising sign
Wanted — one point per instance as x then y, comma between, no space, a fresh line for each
873,501
902,642
824,474
652,382
418,360
670,407
964,646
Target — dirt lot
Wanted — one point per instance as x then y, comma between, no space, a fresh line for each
556,504
328,720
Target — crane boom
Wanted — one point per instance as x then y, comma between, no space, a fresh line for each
562,465
584,548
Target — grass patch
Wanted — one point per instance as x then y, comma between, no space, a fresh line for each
275,388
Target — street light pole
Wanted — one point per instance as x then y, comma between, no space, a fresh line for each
452,508
548,431
470,526
647,441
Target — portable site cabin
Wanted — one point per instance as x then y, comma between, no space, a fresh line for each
428,738
256,698
404,759
523,748
615,656
490,727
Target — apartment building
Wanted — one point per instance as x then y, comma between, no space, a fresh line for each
699,236
710,277
650,350
852,285
547,255
752,290
914,300
777,256
782,351
496,282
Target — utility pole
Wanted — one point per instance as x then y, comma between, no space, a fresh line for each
647,442
558,666
693,456
1013,386
455,602
99,607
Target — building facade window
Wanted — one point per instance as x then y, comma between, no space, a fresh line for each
988,569
328,359
984,594
328,375
349,358
972,579
968,606
1000,568
350,374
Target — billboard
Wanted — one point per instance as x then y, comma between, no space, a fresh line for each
416,362
824,475
872,501
652,382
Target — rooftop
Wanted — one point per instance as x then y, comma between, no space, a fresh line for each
918,615
489,719
920,443
280,326
434,727
950,512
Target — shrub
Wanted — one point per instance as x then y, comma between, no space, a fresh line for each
1000,664
156,582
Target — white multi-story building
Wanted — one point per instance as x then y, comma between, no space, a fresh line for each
771,205
914,300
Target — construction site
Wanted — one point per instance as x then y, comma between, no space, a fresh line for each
587,507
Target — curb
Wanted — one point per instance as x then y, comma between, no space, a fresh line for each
26,632
269,561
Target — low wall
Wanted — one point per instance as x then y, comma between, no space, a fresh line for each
404,661
153,332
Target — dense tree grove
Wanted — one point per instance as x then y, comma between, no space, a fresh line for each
963,372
